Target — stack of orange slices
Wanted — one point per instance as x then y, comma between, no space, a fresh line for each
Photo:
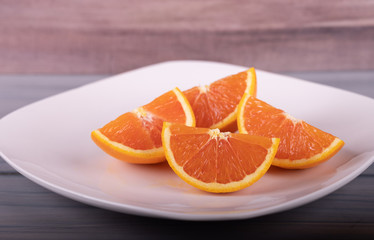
205,155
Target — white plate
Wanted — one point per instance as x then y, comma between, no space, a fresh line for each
49,142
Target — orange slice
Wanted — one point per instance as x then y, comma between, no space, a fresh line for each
215,105
135,136
301,145
217,161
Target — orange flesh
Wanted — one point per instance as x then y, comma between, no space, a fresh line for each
136,136
218,101
298,139
143,132
166,107
217,159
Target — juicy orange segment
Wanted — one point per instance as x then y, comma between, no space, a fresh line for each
301,144
217,161
215,105
136,136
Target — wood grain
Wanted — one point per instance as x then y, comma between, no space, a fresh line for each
17,91
105,37
28,211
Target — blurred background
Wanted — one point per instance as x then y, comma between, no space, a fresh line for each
49,46
113,36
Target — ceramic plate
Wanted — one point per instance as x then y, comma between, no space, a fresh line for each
49,142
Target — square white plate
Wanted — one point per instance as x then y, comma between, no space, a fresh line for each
49,142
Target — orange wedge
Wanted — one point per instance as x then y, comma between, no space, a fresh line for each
217,161
135,136
215,105
301,145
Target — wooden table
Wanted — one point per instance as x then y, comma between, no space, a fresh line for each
28,211
95,36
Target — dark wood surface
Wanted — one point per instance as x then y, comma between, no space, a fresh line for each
105,37
28,211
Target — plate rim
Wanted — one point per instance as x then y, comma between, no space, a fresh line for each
149,212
